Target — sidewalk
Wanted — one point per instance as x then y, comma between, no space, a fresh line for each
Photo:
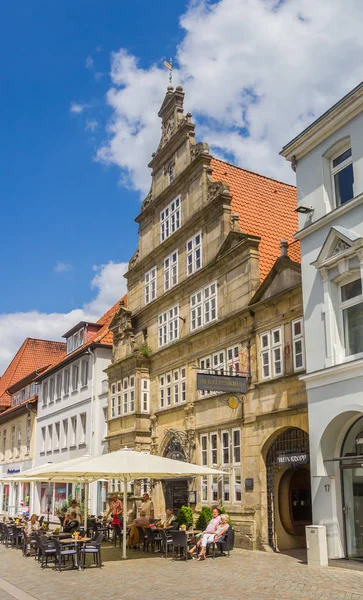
244,576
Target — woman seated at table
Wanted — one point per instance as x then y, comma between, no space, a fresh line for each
29,528
211,528
72,523
209,538
141,521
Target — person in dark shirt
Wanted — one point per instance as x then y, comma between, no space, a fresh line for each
72,523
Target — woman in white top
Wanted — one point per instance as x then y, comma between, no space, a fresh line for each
209,538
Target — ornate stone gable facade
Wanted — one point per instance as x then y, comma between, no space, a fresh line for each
190,286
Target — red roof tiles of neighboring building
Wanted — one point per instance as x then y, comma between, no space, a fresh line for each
32,355
265,208
103,336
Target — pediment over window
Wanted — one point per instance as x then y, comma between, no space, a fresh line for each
233,239
339,242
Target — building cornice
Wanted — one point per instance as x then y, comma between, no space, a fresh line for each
332,120
333,375
334,215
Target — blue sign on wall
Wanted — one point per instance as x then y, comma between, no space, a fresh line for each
13,471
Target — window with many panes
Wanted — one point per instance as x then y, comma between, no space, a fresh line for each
343,177
170,219
116,390
18,440
203,307
194,253
276,348
271,353
171,173
168,326
222,449
172,388
298,352
233,360
351,300
204,450
171,271
132,393
150,285
28,434
145,395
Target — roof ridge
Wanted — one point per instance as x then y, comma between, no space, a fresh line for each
225,162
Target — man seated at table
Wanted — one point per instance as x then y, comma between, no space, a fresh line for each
73,508
134,537
72,523
167,523
211,528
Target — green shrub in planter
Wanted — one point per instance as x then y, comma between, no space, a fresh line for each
185,516
204,518
223,511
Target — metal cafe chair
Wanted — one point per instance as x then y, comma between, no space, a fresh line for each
47,549
63,553
180,543
93,548
167,541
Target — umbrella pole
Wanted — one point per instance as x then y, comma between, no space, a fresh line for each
124,511
86,495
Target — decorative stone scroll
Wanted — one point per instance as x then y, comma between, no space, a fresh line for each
216,188
340,246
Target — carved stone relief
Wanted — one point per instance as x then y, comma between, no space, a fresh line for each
340,246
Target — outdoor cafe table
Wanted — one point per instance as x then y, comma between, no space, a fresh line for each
71,540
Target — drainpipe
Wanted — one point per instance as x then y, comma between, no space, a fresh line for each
91,444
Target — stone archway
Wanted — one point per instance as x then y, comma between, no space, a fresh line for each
288,485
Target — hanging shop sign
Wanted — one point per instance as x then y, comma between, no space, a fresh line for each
292,459
221,383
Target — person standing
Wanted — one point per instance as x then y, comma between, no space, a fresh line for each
74,508
116,510
147,506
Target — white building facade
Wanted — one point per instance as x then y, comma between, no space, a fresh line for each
72,415
328,158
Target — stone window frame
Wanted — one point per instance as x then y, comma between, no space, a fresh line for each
171,271
145,395
168,326
201,301
268,349
170,219
193,251
166,385
150,287
298,339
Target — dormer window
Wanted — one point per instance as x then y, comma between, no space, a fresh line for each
75,341
342,173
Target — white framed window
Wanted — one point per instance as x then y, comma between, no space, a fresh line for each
57,436
233,360
51,389
168,326
298,346
168,389
214,489
265,355
225,487
237,485
119,399
81,337
204,450
18,440
171,270
214,449
75,340
58,390
45,393
132,393
50,438
65,433
105,422
67,378
43,436
162,390
343,177
351,304
225,448
125,385
83,421
113,400
28,433
204,489
75,376
171,173
194,253
176,386
73,431
205,365
150,285
203,306
145,395
84,372
219,362
276,349
236,446
183,385
170,219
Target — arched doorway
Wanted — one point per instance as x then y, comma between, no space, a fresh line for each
175,490
352,485
288,489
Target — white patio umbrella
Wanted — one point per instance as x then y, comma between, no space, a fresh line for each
127,465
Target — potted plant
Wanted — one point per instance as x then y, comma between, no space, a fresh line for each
204,517
185,516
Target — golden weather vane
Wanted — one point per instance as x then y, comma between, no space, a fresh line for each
169,66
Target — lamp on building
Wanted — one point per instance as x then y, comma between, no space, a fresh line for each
304,210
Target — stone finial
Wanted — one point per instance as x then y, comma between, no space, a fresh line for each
284,248
235,220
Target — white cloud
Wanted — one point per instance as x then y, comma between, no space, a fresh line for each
255,73
61,267
91,125
78,108
109,285
89,62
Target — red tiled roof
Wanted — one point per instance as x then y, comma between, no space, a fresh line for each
265,208
32,355
102,336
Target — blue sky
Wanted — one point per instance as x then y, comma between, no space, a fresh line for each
81,84
58,204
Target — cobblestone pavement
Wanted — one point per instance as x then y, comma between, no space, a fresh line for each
244,576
